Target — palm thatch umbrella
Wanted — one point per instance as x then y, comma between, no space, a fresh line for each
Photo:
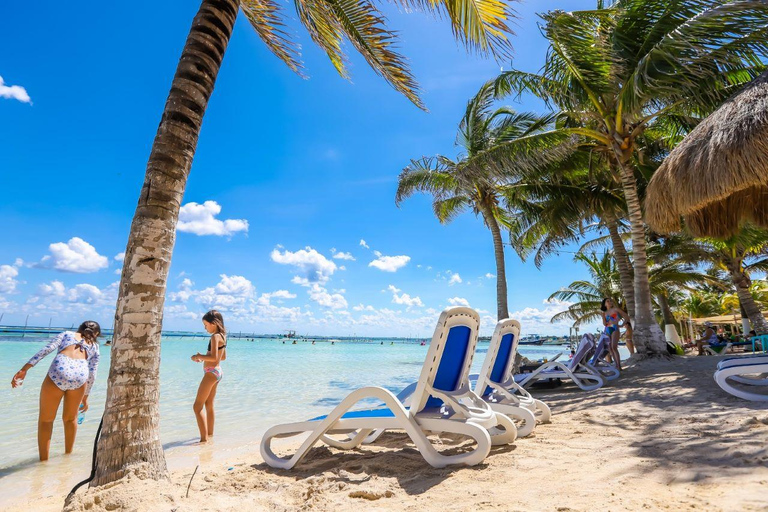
717,177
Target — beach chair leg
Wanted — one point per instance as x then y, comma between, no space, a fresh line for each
435,459
526,418
543,412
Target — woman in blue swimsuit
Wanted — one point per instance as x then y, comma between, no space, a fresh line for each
611,316
70,377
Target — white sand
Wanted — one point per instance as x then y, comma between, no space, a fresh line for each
663,437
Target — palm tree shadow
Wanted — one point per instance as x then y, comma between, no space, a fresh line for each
392,456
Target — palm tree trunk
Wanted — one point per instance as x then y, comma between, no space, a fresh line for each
623,262
647,335
666,312
130,437
742,282
502,310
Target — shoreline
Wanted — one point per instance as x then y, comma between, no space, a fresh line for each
662,437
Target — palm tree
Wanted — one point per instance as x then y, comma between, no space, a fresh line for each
554,208
130,434
740,255
737,257
617,70
700,304
586,295
500,139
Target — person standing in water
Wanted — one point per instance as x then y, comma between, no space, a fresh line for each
206,393
611,315
70,376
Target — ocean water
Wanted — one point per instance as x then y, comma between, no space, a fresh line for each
265,382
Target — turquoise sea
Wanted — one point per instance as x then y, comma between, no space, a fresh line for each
265,382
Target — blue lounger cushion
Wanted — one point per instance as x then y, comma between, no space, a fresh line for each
502,357
366,413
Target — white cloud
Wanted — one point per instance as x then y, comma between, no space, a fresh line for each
234,285
389,263
329,300
490,276
84,294
184,293
8,281
344,256
53,289
315,267
200,219
120,257
363,244
14,92
266,298
76,256
458,301
455,279
362,307
404,299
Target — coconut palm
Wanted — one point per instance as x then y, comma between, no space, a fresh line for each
554,208
617,70
700,305
737,257
586,295
740,255
130,435
501,139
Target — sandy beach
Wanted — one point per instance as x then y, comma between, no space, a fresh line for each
663,437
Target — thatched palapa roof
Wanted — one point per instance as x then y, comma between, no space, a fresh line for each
717,177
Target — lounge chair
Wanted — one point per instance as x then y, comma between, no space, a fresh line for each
442,401
578,369
496,381
599,361
749,371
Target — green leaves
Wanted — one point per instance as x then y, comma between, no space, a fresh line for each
266,18
481,25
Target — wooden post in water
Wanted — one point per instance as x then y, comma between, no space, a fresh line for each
25,327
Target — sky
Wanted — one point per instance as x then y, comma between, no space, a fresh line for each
288,219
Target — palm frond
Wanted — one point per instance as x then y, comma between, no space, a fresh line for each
266,18
365,27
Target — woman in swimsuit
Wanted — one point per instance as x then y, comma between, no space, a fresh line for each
214,324
70,377
611,315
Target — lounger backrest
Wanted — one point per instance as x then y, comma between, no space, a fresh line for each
602,348
500,358
582,351
449,357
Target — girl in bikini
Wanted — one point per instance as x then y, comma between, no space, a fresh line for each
206,393
70,377
611,315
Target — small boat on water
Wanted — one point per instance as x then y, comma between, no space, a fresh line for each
531,339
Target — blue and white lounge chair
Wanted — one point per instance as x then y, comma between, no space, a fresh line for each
599,361
577,369
441,402
496,381
749,372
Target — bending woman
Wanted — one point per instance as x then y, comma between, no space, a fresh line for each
611,315
206,393
70,377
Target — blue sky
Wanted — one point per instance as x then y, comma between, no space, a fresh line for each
289,178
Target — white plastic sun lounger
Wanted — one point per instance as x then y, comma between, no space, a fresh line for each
578,369
442,401
750,372
496,381
598,361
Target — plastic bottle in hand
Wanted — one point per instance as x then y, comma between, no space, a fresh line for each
80,415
